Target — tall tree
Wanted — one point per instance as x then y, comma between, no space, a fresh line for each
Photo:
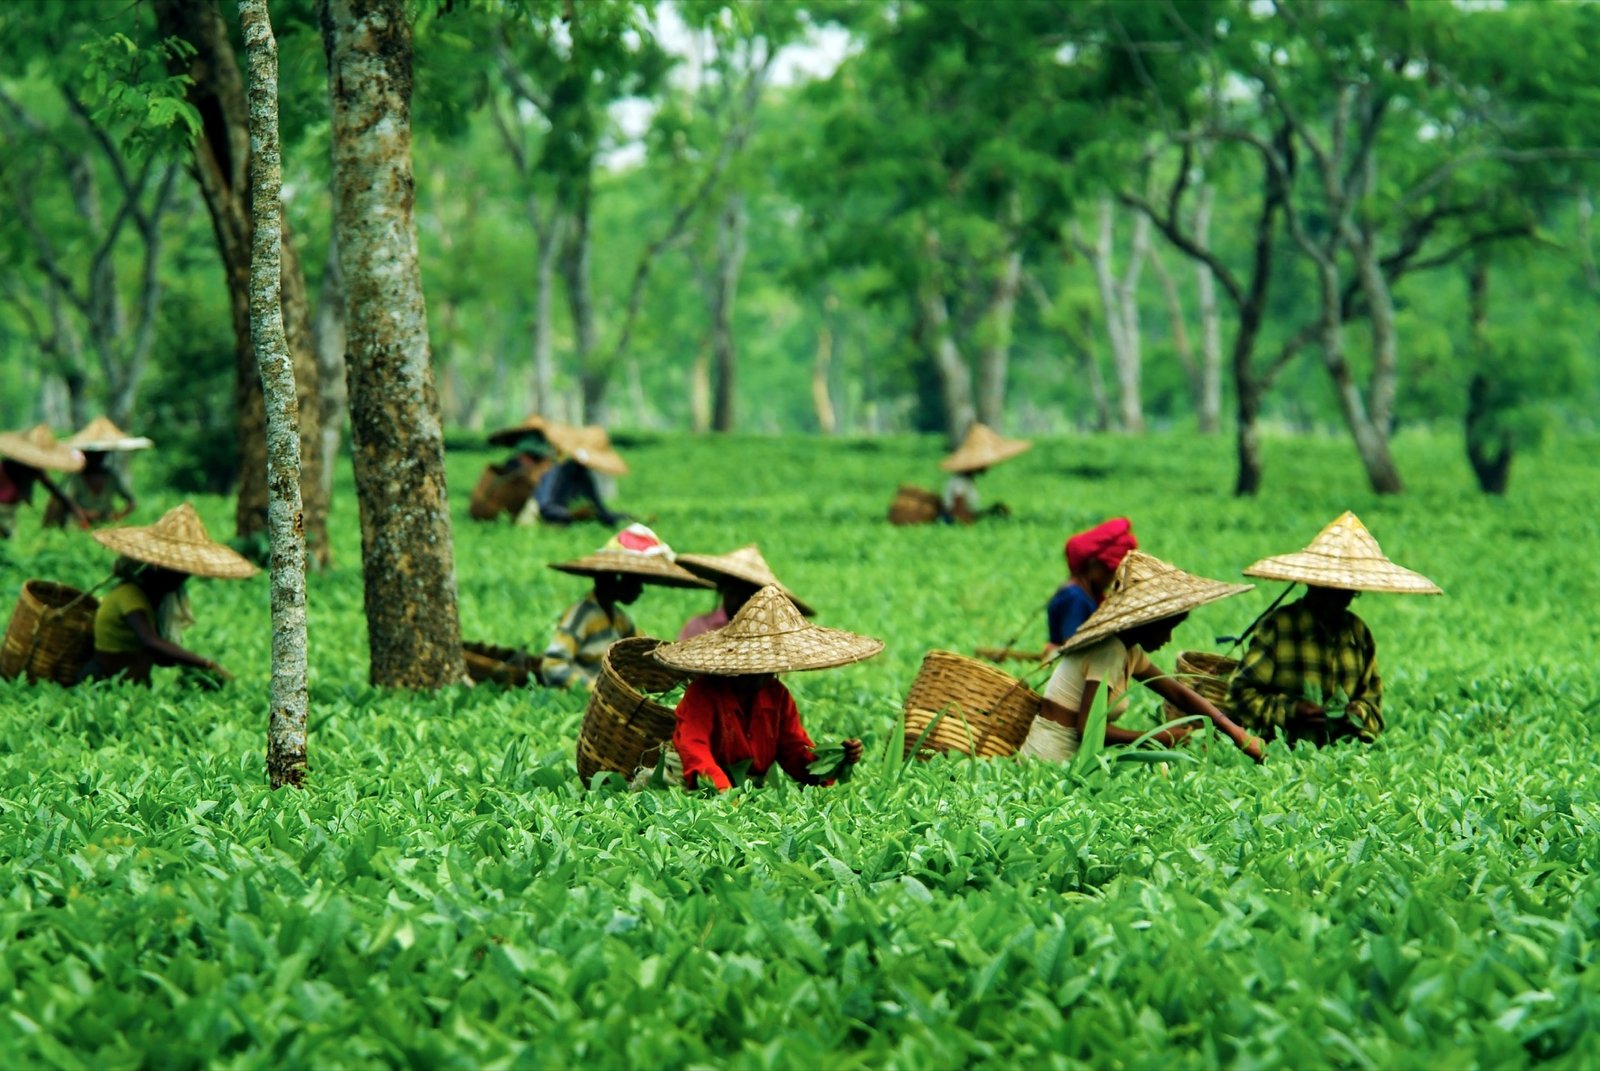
414,632
88,195
221,166
286,719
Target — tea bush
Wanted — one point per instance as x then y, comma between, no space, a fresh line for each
444,893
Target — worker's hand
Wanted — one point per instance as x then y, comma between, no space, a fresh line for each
1175,736
1309,715
852,751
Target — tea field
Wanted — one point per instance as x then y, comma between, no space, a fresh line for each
445,893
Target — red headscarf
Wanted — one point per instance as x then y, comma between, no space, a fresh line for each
1105,543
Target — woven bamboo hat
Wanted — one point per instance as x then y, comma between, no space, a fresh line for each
103,437
178,541
533,425
39,449
982,448
745,564
1344,555
589,446
634,551
1147,589
768,635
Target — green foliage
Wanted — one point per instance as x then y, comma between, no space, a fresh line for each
444,892
127,87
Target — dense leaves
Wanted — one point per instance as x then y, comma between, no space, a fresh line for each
445,893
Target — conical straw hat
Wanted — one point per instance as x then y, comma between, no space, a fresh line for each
1147,589
744,564
589,446
38,448
178,541
1344,555
634,551
982,448
533,425
768,635
103,437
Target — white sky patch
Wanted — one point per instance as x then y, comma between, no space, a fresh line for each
814,57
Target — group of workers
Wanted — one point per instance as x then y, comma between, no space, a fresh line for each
1310,672
139,623
550,475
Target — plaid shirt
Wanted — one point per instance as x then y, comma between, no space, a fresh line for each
581,640
1292,657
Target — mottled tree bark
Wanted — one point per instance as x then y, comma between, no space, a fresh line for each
221,167
328,330
286,726
955,378
821,396
408,563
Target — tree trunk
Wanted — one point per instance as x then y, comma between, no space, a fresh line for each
593,378
221,167
1489,450
1180,331
1372,444
1210,409
407,558
331,340
994,355
700,391
731,224
821,398
286,725
1129,368
955,380
548,240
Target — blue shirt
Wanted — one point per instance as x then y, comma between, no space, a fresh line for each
1069,608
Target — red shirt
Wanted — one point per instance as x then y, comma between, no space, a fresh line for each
723,721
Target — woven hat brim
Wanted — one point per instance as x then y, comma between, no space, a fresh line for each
724,655
510,436
57,459
652,569
113,446
712,566
1122,611
572,442
197,559
1319,570
965,460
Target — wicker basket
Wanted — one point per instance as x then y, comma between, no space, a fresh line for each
500,491
51,634
502,665
913,505
998,708
1207,674
622,722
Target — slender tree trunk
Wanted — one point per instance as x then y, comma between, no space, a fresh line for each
1115,295
994,355
955,380
1180,331
331,340
731,223
407,558
1371,443
1210,409
1489,450
593,377
821,398
700,390
221,167
544,286
286,725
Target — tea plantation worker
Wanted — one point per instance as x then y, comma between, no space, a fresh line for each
738,575
505,489
569,491
632,558
1147,600
1311,671
98,488
737,712
981,450
25,457
138,622
1092,559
